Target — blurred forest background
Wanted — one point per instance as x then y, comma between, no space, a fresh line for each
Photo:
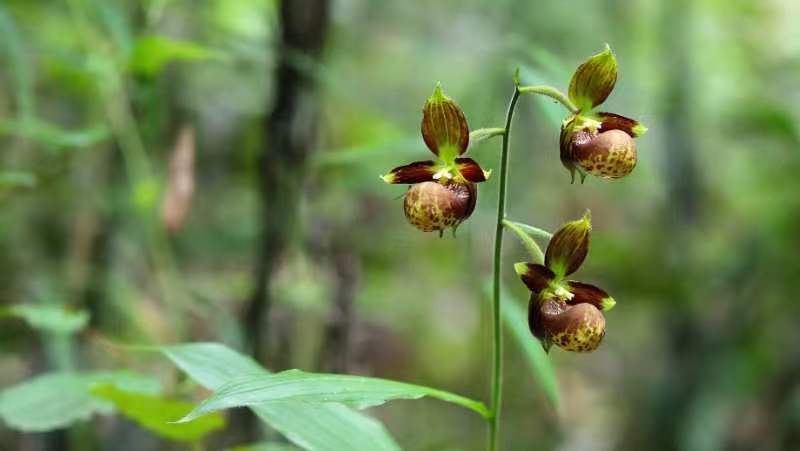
184,170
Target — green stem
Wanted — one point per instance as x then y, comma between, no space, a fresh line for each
533,248
552,93
531,230
497,333
520,229
482,134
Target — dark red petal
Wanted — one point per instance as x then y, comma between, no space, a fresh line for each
535,322
472,196
536,277
417,172
611,121
584,293
471,170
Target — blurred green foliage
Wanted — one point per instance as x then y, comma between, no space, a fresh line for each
698,245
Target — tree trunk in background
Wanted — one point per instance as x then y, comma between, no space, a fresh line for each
336,346
682,174
687,346
290,134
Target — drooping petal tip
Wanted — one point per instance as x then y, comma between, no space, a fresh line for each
584,293
417,172
607,304
471,170
613,121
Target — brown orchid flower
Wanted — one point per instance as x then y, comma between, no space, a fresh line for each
597,143
564,312
442,192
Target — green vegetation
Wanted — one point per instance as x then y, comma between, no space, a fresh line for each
193,225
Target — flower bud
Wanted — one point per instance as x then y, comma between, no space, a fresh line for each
444,127
569,246
594,80
576,328
432,206
610,154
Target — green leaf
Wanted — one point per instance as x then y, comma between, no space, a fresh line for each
296,385
55,135
312,426
48,402
538,362
57,400
158,414
265,446
49,318
151,53
14,179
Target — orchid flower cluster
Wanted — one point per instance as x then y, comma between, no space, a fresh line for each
443,193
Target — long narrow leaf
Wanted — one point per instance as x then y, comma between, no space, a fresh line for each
296,385
311,426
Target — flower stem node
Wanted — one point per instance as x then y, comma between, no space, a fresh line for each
443,191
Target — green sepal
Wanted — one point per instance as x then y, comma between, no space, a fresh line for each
594,80
569,246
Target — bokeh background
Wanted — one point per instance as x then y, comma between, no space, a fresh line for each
208,171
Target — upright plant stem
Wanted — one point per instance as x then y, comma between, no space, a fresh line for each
497,348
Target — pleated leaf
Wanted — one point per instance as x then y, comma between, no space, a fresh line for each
296,385
311,426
